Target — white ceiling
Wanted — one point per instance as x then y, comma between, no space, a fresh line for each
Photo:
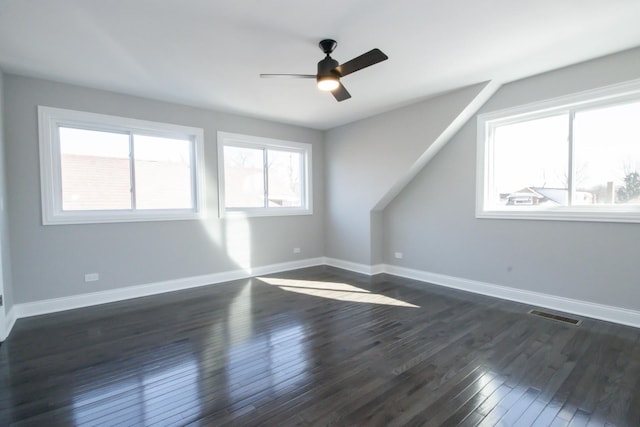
208,53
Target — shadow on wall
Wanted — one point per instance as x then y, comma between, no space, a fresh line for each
233,236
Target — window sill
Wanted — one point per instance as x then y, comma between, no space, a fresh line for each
102,217
563,215
251,213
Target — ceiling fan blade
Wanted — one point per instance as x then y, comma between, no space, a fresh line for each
293,76
363,61
341,94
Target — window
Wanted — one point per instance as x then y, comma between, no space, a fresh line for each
262,176
98,168
573,158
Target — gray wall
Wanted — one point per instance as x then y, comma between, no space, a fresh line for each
363,160
4,220
50,261
433,220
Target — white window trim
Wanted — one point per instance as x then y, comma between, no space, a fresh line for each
50,119
608,95
239,140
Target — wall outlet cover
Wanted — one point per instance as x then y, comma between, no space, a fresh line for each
91,277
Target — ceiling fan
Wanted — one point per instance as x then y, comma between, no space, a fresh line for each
330,72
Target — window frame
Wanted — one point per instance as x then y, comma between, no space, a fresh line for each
50,119
570,104
256,142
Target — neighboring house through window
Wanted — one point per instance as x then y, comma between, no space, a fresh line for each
99,168
571,158
263,176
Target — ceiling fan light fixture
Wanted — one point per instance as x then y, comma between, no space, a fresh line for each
328,83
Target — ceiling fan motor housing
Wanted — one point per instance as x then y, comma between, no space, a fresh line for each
327,68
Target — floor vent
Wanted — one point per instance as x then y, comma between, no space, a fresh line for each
556,317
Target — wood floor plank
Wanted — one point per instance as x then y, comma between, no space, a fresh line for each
253,352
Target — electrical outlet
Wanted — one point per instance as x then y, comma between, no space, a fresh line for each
398,255
91,277
296,250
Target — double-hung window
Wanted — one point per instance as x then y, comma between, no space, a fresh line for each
263,176
572,158
100,168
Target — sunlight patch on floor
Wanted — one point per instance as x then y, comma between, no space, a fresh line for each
334,290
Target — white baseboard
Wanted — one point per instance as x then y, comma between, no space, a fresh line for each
579,307
583,308
9,321
95,298
284,266
355,267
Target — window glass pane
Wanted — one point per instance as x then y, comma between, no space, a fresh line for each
530,163
243,177
95,170
285,184
163,172
607,154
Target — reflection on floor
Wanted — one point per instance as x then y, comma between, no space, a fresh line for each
315,347
143,398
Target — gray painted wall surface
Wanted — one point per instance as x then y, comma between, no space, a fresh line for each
363,160
4,220
433,220
50,261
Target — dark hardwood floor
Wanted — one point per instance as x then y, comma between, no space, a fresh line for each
318,346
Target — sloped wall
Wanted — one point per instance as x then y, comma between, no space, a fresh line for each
366,159
433,220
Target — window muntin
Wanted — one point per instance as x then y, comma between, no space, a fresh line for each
575,158
263,176
99,168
